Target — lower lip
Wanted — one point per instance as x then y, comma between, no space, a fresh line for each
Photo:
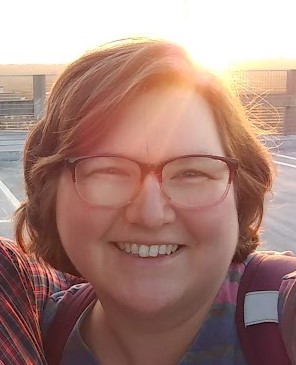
148,261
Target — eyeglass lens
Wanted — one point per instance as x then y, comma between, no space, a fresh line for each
189,181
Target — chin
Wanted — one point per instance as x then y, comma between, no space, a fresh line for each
145,302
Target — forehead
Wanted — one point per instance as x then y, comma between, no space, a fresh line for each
163,123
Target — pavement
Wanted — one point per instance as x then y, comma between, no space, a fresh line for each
280,144
11,145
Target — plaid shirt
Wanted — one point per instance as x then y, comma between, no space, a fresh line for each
25,286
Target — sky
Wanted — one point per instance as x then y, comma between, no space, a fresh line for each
216,32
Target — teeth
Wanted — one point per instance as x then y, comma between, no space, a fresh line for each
134,249
145,250
153,252
169,249
121,245
174,248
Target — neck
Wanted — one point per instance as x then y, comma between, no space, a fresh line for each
117,336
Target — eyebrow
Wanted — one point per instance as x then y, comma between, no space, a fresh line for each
163,161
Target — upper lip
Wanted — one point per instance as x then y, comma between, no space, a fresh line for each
149,242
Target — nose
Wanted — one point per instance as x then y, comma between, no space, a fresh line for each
150,208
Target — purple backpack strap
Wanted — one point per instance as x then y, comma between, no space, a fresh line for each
60,328
289,317
262,343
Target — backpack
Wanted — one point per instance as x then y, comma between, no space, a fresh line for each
261,340
261,343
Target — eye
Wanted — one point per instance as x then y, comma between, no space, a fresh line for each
104,173
110,171
189,174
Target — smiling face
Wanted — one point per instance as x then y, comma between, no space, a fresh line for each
191,249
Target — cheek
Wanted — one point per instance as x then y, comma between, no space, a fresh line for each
214,226
76,221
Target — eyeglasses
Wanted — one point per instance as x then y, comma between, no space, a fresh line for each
191,181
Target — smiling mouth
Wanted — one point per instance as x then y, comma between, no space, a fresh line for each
141,250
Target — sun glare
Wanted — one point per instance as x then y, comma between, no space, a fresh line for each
217,33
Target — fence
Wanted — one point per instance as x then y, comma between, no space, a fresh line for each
22,99
268,95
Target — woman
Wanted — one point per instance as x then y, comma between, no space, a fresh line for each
145,178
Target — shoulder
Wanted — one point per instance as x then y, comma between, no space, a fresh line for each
268,270
56,302
283,262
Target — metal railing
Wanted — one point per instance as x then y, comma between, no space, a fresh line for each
22,99
269,97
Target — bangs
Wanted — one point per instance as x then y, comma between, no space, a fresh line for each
105,112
